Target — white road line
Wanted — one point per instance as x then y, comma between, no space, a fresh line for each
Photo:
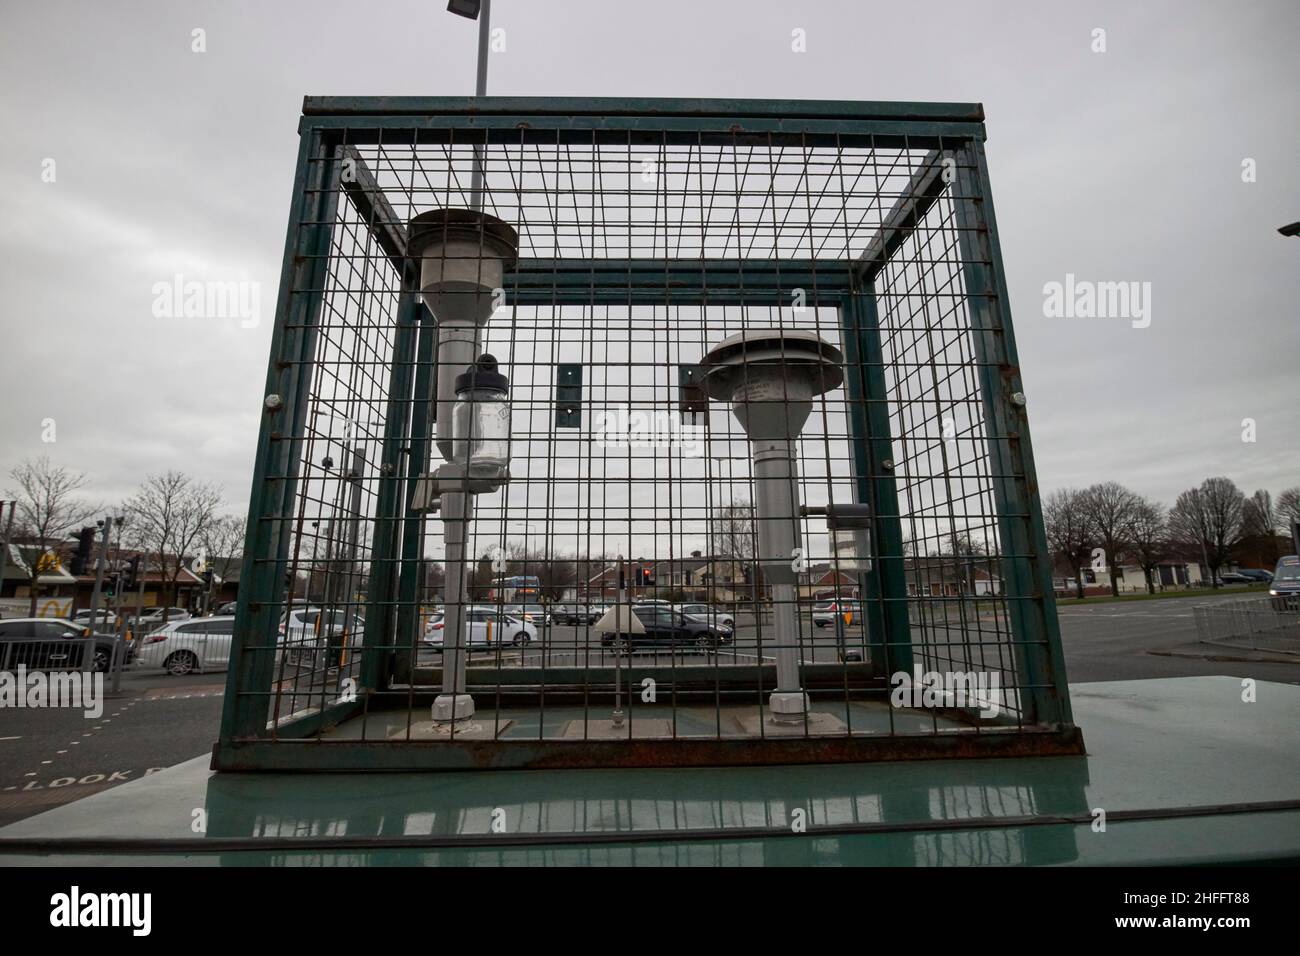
11,738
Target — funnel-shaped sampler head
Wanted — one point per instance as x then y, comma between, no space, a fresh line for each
463,255
770,376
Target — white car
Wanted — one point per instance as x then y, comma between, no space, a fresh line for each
303,630
186,647
154,618
486,626
708,614
104,620
824,614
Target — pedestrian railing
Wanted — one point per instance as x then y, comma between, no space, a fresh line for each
49,654
1271,623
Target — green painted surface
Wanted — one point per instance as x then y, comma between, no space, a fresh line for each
1156,749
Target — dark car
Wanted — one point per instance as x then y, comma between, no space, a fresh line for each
1257,574
38,644
665,627
576,614
1234,577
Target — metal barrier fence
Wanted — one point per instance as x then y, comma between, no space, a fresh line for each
47,654
1266,623
610,351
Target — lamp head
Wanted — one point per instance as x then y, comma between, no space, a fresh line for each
770,376
463,257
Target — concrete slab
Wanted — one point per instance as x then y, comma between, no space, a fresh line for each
475,729
817,724
1190,771
653,727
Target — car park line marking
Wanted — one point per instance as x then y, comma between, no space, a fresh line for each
11,738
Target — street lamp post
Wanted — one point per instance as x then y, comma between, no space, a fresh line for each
106,525
770,377
480,10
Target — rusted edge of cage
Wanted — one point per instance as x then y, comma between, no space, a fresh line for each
423,755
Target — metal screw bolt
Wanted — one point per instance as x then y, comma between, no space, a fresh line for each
887,464
1018,399
273,402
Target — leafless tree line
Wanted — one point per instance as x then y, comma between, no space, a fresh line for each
171,518
1107,524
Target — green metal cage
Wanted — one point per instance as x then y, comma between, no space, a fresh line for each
648,231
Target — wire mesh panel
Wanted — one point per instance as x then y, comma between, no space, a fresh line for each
613,433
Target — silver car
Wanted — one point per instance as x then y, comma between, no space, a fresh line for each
708,614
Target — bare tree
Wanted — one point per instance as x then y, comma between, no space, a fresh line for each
222,541
1259,526
960,553
1210,517
50,506
1287,510
168,518
1070,533
1110,510
734,532
1149,538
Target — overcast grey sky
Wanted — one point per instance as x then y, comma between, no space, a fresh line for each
1122,165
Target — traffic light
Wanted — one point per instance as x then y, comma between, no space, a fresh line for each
131,574
85,543
207,578
645,577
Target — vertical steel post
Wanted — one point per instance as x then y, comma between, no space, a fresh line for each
4,542
885,600
284,411
1026,570
408,527
480,89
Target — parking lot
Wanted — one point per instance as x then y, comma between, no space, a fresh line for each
53,756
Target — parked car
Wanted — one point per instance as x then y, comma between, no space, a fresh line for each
824,614
486,626
305,629
1258,575
709,614
1235,577
154,618
35,643
184,647
227,609
105,620
532,613
665,627
575,614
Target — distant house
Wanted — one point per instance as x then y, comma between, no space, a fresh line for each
721,580
823,582
1171,574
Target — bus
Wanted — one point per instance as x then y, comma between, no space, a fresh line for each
516,589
